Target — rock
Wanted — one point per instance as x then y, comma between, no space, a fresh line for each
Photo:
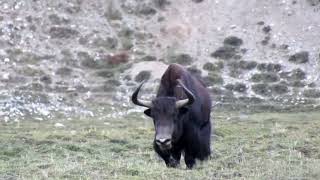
66,53
183,59
107,43
126,32
83,40
250,100
161,3
31,97
143,75
62,32
266,40
113,13
126,43
15,52
116,59
197,1
229,87
149,58
243,50
102,88
312,93
161,19
108,86
269,67
80,88
312,85
233,41
298,74
284,47
195,71
143,36
32,87
300,57
113,82
127,78
261,89
294,75
279,89
225,52
73,8
31,71
64,71
234,69
216,90
247,65
105,73
213,79
297,83
29,58
89,62
61,88
227,99
146,10
59,125
46,79
260,23
237,57
33,28
238,87
266,29
213,66
56,20
313,2
265,77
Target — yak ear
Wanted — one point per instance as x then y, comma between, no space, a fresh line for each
148,112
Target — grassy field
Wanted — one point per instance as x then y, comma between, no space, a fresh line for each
257,146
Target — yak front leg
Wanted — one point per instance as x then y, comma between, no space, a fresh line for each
166,156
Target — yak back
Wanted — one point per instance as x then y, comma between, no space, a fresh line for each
168,86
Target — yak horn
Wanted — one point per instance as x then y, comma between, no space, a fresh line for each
140,102
189,94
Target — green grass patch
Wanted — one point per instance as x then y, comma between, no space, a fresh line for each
245,146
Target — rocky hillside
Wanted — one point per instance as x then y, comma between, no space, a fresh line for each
76,57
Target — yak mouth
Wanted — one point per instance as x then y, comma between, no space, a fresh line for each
165,147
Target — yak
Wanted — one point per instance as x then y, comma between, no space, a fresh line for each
181,116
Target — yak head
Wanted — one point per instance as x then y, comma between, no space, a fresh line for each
166,113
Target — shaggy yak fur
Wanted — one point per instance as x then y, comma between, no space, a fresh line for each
181,116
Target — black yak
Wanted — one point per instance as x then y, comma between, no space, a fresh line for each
181,117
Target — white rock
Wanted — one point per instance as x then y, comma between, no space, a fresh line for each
58,125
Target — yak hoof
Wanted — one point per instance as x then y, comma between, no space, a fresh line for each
190,166
172,163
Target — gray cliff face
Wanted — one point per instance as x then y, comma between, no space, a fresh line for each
75,57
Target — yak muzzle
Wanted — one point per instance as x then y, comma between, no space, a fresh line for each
164,143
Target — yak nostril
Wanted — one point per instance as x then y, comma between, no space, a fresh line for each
163,141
